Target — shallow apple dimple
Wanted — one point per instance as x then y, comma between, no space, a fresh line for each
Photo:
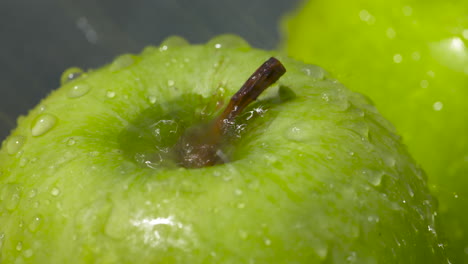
43,124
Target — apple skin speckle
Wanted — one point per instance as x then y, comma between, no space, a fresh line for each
291,191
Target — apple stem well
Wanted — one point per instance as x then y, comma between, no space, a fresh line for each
199,146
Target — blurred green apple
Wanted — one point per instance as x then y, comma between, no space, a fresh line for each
309,173
411,59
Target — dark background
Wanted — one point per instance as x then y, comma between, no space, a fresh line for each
39,39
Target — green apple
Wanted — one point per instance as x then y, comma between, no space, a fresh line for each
411,59
309,173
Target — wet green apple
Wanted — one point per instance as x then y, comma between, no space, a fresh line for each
411,59
307,173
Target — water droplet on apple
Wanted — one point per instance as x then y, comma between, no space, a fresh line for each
352,258
110,94
71,142
170,83
164,127
28,253
55,191
43,124
35,223
70,74
238,192
23,162
397,58
19,246
243,234
32,193
173,42
325,97
14,144
228,41
152,99
2,239
437,106
267,241
299,132
121,62
78,90
314,71
241,205
374,177
11,194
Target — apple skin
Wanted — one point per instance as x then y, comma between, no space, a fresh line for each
411,59
318,176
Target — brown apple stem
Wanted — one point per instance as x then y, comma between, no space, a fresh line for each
200,146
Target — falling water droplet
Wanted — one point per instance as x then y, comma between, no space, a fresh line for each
35,223
70,75
121,62
78,90
229,41
43,124
14,144
173,42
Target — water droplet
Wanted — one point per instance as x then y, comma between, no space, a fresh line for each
110,94
164,127
70,74
152,99
397,58
299,132
171,83
43,124
28,253
424,84
35,223
243,234
238,192
14,144
2,239
391,34
437,106
11,195
32,193
78,90
23,162
374,177
407,10
71,141
121,62
173,42
19,246
267,242
325,97
228,41
416,56
241,205
365,16
314,71
55,191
